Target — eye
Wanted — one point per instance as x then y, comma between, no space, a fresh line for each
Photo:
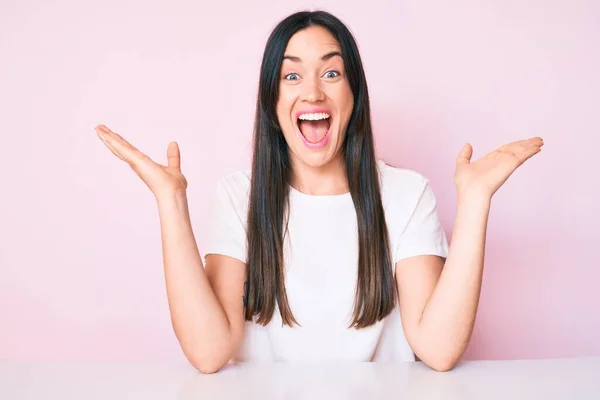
289,76
328,74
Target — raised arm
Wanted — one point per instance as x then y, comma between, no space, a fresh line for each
439,305
205,305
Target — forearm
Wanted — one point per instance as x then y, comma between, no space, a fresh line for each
447,321
199,321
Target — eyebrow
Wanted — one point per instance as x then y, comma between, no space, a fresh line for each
324,58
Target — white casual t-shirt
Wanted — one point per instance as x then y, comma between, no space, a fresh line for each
321,266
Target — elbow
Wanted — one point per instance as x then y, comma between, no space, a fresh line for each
440,361
441,357
207,360
205,363
442,364
206,366
207,369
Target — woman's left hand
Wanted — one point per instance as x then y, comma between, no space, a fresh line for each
486,175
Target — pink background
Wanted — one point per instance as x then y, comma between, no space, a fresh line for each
80,260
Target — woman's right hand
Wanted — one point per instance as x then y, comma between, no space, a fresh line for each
159,178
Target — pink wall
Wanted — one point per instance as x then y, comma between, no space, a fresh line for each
80,260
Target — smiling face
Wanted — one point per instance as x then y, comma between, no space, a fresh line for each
315,100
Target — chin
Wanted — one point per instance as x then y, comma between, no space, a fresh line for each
317,159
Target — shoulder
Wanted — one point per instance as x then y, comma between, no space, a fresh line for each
410,208
404,193
234,187
400,182
235,181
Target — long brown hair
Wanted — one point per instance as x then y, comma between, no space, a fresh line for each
269,190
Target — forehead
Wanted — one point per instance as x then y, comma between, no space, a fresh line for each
311,43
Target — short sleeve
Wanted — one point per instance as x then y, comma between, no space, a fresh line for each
226,233
424,234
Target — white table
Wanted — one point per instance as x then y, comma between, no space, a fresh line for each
574,378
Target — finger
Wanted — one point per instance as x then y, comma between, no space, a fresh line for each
464,157
110,146
129,153
527,153
116,137
526,146
173,155
121,151
517,144
536,141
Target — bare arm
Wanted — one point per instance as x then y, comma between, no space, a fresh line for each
206,306
438,305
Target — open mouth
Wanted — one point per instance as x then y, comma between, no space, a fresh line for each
314,127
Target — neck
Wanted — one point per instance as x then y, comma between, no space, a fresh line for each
327,179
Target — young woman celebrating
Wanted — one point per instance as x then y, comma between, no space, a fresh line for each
321,251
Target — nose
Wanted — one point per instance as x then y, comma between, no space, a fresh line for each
312,90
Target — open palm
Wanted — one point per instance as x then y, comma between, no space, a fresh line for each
489,173
159,178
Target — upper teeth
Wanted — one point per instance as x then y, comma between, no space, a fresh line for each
314,116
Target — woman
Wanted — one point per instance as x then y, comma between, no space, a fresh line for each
322,252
